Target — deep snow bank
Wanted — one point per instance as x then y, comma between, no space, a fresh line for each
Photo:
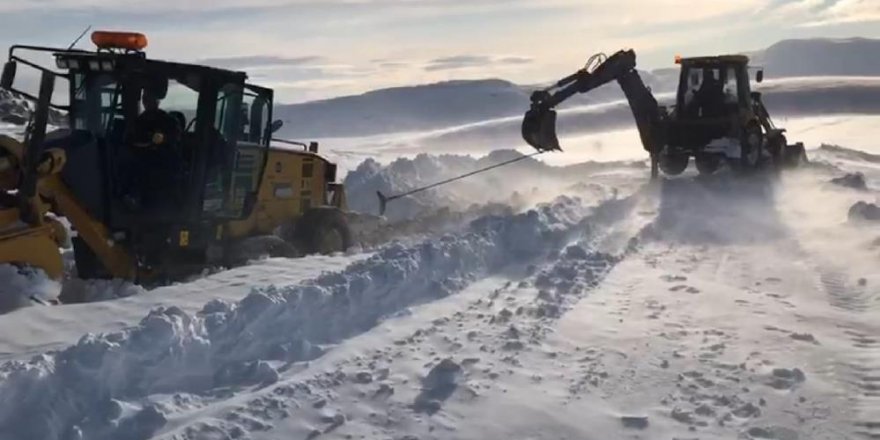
407,174
100,387
517,184
16,110
23,287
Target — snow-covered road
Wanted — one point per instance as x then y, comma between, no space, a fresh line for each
693,308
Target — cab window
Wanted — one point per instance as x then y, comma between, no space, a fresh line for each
255,118
97,104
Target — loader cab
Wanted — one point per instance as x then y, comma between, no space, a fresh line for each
714,101
713,87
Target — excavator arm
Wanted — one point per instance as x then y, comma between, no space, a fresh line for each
539,124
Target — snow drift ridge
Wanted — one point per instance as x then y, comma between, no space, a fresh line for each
99,388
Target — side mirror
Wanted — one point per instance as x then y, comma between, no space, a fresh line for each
759,77
276,125
8,74
313,147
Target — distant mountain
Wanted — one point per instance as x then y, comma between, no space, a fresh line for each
786,97
403,109
820,57
420,108
453,103
447,104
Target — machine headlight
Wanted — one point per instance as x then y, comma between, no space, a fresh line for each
62,63
107,65
94,65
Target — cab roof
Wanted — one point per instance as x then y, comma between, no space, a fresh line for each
137,60
715,60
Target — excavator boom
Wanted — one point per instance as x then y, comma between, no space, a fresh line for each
539,124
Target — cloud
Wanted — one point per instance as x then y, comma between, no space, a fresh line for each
516,60
819,13
258,61
848,11
353,46
163,6
466,61
393,64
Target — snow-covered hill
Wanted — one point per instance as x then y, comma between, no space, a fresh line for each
820,57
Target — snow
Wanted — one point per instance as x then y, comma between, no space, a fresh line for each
230,344
24,287
523,182
33,330
714,308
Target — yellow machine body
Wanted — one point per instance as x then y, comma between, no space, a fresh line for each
37,244
292,183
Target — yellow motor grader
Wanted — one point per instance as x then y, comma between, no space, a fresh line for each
163,169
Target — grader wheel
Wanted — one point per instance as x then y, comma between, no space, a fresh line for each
261,246
322,230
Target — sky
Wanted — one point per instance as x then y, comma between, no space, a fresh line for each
316,49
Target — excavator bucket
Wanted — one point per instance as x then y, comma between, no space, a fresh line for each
539,129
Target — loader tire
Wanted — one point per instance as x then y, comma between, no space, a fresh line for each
751,144
322,230
776,148
674,164
707,163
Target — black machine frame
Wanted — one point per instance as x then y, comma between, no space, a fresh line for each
130,67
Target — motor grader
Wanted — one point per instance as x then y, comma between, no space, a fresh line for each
164,169
717,119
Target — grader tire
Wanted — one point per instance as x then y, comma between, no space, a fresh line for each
322,230
261,246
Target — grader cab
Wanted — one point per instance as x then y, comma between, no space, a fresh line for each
161,170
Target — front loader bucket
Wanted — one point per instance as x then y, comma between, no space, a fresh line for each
794,155
539,129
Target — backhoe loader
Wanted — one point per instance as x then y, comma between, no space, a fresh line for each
164,169
716,118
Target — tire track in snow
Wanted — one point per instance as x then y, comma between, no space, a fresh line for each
841,294
861,371
101,387
859,367
491,315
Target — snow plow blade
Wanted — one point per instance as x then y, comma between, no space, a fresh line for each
539,129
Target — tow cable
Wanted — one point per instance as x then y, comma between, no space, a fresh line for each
383,199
